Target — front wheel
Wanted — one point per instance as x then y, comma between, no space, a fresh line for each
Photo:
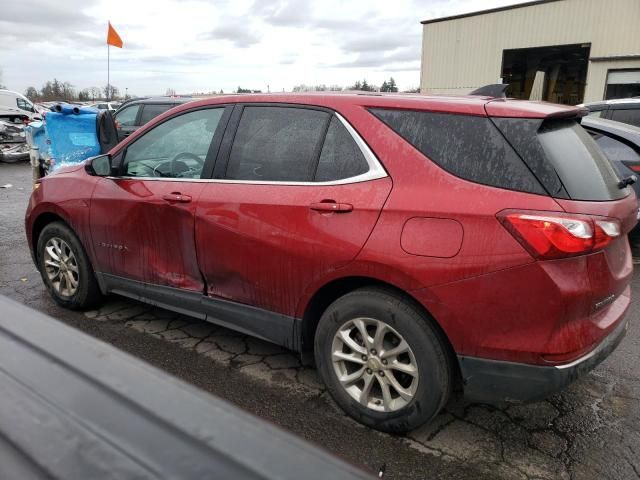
65,268
382,360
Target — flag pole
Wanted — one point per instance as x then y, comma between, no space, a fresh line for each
108,59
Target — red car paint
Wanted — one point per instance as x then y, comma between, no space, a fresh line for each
264,246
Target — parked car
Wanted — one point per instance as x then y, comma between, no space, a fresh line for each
13,147
621,144
15,107
625,110
400,241
136,113
113,106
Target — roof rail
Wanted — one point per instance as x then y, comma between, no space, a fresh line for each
496,90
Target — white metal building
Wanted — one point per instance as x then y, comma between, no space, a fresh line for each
564,51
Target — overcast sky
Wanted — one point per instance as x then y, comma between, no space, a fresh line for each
208,45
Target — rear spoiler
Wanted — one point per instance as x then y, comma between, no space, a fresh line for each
496,90
497,107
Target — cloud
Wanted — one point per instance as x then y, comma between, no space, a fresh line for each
32,21
235,30
201,45
284,13
380,42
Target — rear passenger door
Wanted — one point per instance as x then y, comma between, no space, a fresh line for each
295,195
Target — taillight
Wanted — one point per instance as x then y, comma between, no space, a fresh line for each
556,235
633,166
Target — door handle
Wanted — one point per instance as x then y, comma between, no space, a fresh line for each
331,207
176,197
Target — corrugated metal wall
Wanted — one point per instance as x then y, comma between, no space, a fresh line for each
461,54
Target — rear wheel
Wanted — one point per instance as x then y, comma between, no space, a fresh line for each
382,360
65,268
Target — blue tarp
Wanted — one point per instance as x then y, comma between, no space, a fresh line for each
68,136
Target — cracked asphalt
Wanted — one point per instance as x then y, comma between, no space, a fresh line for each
589,431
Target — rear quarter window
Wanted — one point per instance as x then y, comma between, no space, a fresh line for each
470,147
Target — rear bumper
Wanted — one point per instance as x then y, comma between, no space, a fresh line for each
494,381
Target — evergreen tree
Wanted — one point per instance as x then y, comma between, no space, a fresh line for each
392,85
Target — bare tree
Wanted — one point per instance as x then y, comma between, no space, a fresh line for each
170,92
110,92
32,94
95,93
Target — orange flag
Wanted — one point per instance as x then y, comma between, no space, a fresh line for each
113,38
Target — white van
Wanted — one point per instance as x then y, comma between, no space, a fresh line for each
14,106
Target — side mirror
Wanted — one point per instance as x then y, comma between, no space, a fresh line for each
99,166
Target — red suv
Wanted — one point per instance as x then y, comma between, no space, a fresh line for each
408,243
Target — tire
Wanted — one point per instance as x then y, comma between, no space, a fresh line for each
426,359
86,292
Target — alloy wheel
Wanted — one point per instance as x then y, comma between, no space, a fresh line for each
374,364
61,267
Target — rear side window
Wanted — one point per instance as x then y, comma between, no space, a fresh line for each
149,112
340,157
277,144
630,116
469,147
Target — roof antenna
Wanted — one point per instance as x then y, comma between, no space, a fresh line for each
496,90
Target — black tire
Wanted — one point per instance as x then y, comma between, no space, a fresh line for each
434,364
87,294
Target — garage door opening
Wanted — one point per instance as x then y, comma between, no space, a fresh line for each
622,84
556,74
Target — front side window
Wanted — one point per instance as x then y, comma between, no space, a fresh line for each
127,116
24,105
176,148
277,144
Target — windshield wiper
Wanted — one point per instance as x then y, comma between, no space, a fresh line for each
626,181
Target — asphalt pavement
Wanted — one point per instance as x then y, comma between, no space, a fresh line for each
589,431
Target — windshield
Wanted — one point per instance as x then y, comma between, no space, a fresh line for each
584,170
564,158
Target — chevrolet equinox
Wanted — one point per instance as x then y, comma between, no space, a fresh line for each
408,244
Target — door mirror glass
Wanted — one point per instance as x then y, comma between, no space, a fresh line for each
99,166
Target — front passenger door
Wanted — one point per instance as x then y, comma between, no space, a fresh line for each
142,222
